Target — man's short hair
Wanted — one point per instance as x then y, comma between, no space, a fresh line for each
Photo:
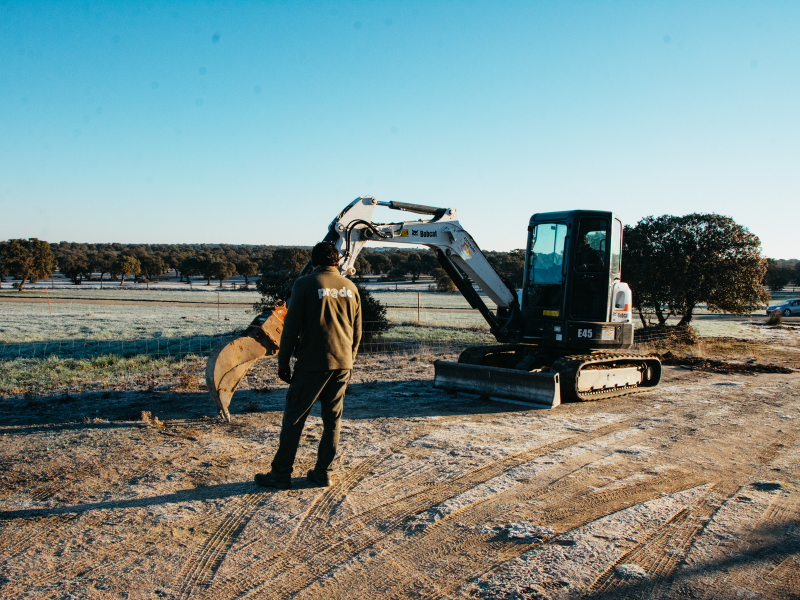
325,254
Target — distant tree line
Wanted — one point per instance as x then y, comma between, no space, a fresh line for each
781,273
31,260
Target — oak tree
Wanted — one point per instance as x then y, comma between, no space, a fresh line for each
675,263
126,265
29,260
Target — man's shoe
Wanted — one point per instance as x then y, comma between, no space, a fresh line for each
319,480
268,480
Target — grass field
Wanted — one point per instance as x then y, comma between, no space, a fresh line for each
90,342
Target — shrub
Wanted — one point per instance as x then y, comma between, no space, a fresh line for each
373,316
775,318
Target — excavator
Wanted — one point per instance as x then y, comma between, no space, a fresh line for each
566,335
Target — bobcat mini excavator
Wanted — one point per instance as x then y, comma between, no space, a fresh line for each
565,336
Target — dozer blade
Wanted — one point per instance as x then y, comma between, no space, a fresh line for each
540,389
230,360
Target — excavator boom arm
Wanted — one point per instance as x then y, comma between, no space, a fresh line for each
457,251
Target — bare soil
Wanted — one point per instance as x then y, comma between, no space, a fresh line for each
689,490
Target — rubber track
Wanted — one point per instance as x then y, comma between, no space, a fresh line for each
569,366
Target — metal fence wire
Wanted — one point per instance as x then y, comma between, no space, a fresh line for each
399,338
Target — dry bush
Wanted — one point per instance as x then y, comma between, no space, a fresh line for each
775,319
661,336
151,421
187,381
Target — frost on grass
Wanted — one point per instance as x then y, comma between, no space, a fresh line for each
39,375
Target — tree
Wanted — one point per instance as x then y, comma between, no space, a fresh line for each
222,269
288,259
362,265
278,274
29,259
102,262
247,269
373,316
396,274
74,265
414,266
126,265
205,267
190,266
274,286
380,262
152,265
443,281
509,265
429,262
680,262
777,277
3,259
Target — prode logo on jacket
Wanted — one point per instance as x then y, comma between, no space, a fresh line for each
334,293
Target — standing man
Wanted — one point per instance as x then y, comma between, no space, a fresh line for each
323,329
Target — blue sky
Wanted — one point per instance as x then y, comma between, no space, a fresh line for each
256,122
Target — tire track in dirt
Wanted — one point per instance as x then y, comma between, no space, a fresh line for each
757,556
203,564
664,551
21,539
335,545
595,505
659,554
456,553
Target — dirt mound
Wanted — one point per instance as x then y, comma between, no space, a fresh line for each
719,366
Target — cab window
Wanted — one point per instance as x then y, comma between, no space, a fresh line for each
545,265
591,249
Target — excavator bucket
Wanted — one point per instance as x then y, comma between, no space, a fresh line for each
230,360
540,390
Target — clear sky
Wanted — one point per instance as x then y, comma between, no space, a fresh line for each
256,122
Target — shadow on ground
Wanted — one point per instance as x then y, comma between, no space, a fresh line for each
373,400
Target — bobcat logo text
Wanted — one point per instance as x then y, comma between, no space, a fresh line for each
334,293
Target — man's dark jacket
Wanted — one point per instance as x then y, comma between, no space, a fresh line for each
323,323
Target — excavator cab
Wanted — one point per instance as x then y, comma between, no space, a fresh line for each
572,297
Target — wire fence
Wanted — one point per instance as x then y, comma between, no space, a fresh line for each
399,338
409,338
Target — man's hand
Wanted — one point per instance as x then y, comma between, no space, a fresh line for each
285,374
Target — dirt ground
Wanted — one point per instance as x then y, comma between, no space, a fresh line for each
689,490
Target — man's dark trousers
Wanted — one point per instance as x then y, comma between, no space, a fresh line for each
305,389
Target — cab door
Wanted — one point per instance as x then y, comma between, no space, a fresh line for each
590,270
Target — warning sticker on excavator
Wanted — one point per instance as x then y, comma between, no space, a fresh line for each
404,233
550,313
465,248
